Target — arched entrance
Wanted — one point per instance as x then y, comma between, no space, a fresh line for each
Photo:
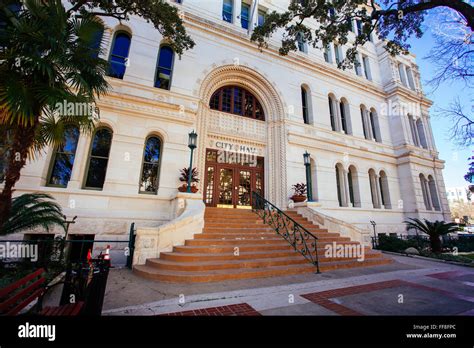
223,131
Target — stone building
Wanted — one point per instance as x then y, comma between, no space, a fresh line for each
373,156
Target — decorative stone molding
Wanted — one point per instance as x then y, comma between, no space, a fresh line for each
188,210
334,225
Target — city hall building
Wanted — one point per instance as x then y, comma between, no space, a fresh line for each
255,112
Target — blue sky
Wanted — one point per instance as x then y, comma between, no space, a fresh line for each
456,158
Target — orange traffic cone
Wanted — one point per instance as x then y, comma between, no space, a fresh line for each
107,253
89,256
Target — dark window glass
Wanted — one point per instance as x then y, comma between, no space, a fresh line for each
244,16
164,69
338,183
96,42
119,55
261,18
227,11
238,94
64,158
227,99
151,165
359,26
351,187
343,117
304,102
331,114
237,100
99,159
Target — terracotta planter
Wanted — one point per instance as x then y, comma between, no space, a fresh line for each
184,188
298,198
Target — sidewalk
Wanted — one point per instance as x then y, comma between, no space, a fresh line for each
407,287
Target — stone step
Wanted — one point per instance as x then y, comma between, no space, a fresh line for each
228,235
228,264
244,220
221,275
231,224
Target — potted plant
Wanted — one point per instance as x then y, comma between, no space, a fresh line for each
299,193
185,178
469,177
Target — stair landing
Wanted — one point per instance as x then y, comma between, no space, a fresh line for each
236,244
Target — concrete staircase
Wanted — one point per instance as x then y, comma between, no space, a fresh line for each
236,244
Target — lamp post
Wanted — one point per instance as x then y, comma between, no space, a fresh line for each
192,145
372,222
309,184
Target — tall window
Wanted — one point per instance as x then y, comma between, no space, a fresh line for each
227,9
164,68
411,81
332,113
424,191
304,104
345,117
359,26
374,123
363,115
358,65
119,55
237,100
339,184
244,15
98,159
368,73
374,189
353,183
433,193
401,72
414,132
338,52
328,54
421,133
151,165
301,43
261,18
384,190
63,158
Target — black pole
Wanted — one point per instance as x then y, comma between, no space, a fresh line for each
190,171
309,183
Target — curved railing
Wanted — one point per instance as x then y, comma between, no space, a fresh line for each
299,237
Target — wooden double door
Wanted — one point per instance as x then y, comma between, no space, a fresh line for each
230,185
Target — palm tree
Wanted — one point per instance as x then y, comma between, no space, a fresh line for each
433,229
47,60
31,211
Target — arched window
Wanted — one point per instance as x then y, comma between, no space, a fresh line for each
345,116
374,189
433,193
96,42
151,165
164,68
63,158
332,113
414,131
421,133
305,105
365,123
119,54
384,191
425,192
98,159
340,183
353,183
374,123
237,100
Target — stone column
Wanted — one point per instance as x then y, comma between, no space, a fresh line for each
236,12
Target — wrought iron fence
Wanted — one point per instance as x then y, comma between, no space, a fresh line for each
299,237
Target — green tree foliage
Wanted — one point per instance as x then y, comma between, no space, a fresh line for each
433,229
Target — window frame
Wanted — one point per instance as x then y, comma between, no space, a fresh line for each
111,54
52,161
158,67
153,135
231,20
245,91
89,156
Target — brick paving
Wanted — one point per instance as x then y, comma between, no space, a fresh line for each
240,309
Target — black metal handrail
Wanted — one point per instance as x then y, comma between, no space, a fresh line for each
299,237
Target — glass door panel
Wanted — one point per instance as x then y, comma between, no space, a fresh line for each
244,188
209,195
226,187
